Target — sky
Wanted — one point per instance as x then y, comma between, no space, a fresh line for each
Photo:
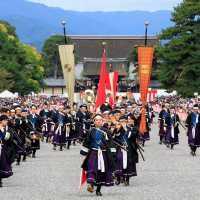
111,5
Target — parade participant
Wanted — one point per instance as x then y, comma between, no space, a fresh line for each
5,111
70,129
73,113
146,135
161,121
36,123
46,114
117,114
126,155
106,119
18,110
12,113
122,110
193,124
59,138
129,109
105,106
20,137
150,113
172,128
26,128
112,117
97,163
5,155
82,122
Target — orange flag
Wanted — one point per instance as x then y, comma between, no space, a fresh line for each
145,60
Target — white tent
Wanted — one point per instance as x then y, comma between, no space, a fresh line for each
7,94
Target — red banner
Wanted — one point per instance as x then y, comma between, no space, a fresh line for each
101,93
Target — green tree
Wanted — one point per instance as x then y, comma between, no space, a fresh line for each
51,56
5,80
179,56
22,62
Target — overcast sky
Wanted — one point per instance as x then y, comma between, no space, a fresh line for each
111,5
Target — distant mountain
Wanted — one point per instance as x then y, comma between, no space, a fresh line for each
36,22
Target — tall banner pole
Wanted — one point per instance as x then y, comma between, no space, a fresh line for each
145,61
67,59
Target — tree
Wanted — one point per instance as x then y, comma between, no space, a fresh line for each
22,62
51,56
179,56
6,80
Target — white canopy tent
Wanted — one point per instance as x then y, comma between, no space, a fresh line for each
7,94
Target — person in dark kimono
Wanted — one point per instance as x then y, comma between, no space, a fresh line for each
146,135
193,124
105,107
97,162
172,128
26,128
5,151
46,114
36,123
59,138
70,127
82,122
150,113
20,136
161,121
73,114
126,158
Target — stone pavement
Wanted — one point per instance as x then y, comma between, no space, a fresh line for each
165,175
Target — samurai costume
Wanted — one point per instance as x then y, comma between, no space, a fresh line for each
82,124
193,124
98,161
5,155
162,132
36,123
172,129
126,157
59,138
47,124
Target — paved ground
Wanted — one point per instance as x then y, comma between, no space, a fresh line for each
166,175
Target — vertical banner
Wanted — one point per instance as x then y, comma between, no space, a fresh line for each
111,86
67,59
145,60
101,92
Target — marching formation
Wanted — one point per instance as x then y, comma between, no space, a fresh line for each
110,138
169,123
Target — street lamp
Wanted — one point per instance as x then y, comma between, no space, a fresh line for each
64,30
146,23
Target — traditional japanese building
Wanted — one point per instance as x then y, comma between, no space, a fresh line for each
89,52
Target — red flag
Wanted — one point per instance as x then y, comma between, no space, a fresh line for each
101,93
83,178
